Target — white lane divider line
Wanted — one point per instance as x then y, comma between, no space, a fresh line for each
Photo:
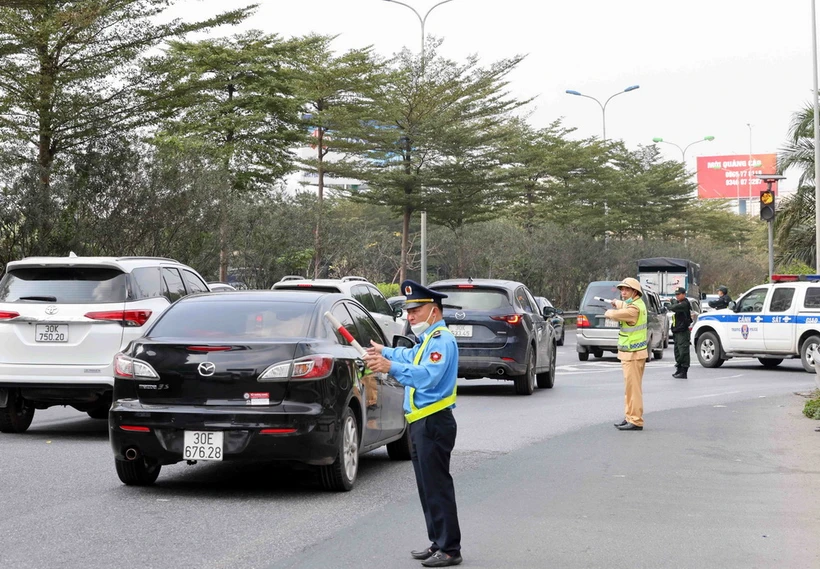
714,395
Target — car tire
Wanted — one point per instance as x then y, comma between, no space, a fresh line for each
583,356
101,410
525,384
341,475
546,380
400,449
598,353
561,339
137,472
17,415
709,350
770,362
808,350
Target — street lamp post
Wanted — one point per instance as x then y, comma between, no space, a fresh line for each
683,150
603,106
422,22
603,120
816,137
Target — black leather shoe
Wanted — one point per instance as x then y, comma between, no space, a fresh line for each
441,559
423,553
621,424
630,427
678,374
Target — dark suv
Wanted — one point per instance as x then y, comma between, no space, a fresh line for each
500,332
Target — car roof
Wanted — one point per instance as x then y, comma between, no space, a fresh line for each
502,283
308,297
122,263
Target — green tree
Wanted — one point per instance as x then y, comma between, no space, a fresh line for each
234,99
334,89
435,124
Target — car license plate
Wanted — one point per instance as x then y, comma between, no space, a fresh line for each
51,332
203,445
610,323
461,330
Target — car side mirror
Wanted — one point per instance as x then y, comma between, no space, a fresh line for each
402,342
732,305
398,312
548,312
559,311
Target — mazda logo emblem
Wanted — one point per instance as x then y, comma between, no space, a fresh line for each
460,316
51,309
206,369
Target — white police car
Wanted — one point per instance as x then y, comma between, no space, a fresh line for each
770,322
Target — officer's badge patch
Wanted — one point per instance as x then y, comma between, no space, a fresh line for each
435,357
408,290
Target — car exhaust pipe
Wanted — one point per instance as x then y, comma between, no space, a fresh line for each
500,371
131,453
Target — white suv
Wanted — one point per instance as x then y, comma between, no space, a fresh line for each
359,288
62,320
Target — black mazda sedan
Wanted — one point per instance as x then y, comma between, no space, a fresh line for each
256,375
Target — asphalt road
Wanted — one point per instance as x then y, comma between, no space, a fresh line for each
726,475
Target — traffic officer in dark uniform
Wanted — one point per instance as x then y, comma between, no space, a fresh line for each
682,336
428,372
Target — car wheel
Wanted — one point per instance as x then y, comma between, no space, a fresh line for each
400,448
708,350
547,379
598,353
583,356
137,472
808,353
771,362
561,339
100,411
525,384
341,475
16,416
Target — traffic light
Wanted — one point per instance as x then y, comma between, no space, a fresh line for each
767,205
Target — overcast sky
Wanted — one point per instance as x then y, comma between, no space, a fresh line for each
704,67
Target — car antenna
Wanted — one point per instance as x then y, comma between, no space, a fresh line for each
469,279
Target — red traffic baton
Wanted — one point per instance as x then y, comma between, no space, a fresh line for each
344,332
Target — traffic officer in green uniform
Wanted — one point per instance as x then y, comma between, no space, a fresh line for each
681,335
428,372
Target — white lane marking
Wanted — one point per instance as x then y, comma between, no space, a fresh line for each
714,395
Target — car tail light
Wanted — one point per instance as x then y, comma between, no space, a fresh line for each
305,285
582,321
509,318
209,348
8,314
307,368
465,286
135,429
131,318
277,431
132,368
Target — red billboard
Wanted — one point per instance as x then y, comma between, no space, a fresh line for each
733,177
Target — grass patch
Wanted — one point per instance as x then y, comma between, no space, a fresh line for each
812,407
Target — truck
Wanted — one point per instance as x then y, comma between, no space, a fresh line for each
664,274
770,322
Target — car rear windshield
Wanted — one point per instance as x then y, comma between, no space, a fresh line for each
64,285
247,320
608,291
476,298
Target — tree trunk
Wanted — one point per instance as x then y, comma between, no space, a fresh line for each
405,241
317,233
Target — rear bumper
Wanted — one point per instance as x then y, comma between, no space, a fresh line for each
315,440
16,375
601,341
476,367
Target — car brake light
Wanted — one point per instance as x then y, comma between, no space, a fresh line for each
131,368
307,368
209,348
465,286
582,321
305,285
130,318
135,429
8,315
277,431
509,318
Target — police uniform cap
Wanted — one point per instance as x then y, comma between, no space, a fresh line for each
419,295
680,290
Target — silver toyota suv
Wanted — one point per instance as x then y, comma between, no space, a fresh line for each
62,321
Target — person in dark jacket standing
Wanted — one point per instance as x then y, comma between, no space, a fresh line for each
723,299
681,320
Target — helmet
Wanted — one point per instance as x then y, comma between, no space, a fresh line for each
723,289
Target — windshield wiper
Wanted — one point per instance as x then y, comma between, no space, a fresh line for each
42,298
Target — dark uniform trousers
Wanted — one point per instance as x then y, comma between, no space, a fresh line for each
682,343
433,439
